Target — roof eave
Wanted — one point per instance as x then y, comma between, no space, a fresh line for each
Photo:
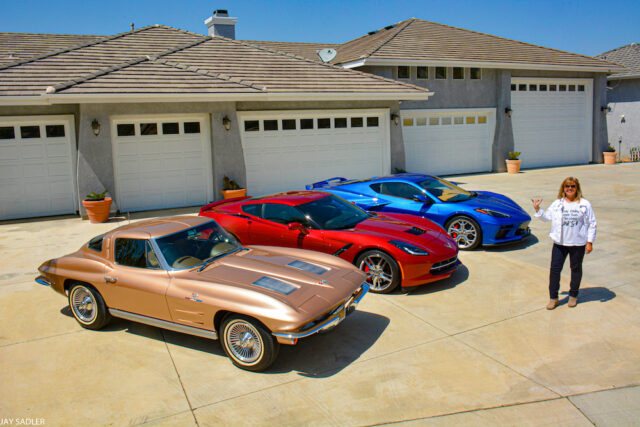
479,64
624,77
49,99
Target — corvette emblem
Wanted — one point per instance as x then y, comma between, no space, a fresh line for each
194,297
322,282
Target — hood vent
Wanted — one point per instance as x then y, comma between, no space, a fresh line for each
416,231
305,266
275,285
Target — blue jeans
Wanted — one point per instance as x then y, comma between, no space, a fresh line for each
558,256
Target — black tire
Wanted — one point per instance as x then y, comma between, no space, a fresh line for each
247,343
88,307
383,273
465,231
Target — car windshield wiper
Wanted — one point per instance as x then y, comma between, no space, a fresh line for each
213,258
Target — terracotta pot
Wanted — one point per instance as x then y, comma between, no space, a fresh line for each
98,210
232,194
513,166
610,157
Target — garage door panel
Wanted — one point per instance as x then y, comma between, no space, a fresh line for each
162,171
552,128
448,142
289,159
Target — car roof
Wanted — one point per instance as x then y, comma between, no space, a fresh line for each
411,177
291,198
158,227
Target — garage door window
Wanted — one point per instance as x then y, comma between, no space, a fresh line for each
251,125
191,127
170,129
148,128
54,131
407,122
7,132
340,122
446,121
30,131
306,124
270,125
356,122
458,120
421,121
126,129
372,122
289,124
324,123
482,119
434,121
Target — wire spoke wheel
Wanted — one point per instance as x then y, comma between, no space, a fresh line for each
382,273
244,342
464,231
83,304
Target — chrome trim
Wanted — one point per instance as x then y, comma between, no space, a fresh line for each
43,281
163,324
329,323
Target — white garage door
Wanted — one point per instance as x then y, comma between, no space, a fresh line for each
161,162
440,142
552,121
285,150
37,166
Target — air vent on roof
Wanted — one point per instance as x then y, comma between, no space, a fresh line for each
388,27
372,32
327,55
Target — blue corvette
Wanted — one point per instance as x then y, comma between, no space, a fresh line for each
471,217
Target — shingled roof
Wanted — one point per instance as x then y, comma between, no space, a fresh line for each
163,61
304,50
629,56
18,46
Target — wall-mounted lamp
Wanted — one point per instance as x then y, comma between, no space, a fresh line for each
395,118
605,109
95,126
508,111
226,122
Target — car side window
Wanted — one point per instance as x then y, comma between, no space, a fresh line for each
283,214
396,189
254,209
96,243
135,253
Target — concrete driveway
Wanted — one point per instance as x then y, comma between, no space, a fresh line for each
476,349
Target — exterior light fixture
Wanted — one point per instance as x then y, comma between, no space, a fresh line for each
395,118
226,122
508,111
605,109
95,126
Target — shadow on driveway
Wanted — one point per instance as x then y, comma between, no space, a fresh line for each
597,293
461,275
318,356
518,246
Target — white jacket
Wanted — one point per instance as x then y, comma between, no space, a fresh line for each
586,233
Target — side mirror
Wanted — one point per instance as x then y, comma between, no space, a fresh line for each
422,199
297,226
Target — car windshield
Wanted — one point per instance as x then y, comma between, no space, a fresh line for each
333,213
195,245
444,190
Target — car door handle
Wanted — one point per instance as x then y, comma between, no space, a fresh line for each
110,279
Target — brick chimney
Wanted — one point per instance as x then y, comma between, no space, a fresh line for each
220,24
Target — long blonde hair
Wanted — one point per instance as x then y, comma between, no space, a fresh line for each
570,180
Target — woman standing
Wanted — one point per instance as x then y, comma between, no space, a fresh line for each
573,230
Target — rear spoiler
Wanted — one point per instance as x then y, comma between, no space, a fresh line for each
327,183
222,202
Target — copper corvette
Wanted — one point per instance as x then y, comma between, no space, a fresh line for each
188,275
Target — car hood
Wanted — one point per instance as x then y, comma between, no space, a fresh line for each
495,201
393,229
247,270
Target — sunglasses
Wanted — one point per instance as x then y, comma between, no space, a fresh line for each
570,186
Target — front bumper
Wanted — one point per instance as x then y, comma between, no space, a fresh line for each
506,233
336,316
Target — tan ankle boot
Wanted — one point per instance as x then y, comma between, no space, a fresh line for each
553,303
573,301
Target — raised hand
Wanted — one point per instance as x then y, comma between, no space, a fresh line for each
536,203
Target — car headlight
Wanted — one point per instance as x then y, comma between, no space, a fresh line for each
491,212
409,248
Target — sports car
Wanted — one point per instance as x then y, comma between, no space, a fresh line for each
187,274
393,249
472,218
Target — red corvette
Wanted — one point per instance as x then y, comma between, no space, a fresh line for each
393,249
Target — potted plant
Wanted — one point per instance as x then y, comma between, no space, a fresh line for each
231,189
513,162
610,155
97,206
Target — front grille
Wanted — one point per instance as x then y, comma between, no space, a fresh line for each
523,229
503,231
442,266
